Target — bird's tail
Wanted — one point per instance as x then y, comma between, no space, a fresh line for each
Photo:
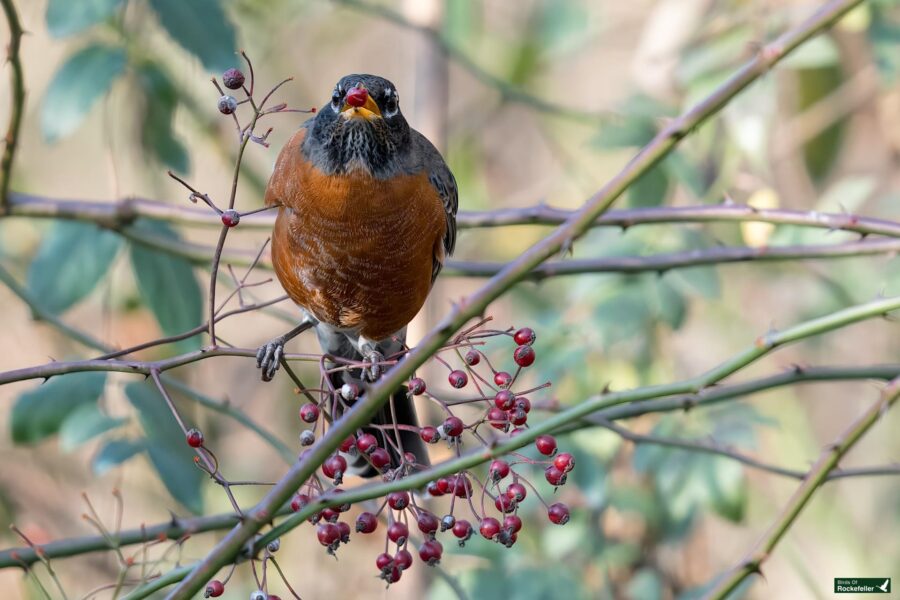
398,410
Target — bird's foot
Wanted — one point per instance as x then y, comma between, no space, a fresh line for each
268,357
373,371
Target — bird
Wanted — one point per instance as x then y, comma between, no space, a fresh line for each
366,218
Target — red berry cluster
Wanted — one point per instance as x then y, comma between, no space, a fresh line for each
494,503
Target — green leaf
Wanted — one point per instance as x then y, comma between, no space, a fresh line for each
157,136
40,412
814,84
70,262
85,423
167,284
632,132
67,17
202,28
646,585
820,51
671,306
650,189
114,453
170,455
76,87
698,280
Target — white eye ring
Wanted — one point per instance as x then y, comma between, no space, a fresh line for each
336,100
396,98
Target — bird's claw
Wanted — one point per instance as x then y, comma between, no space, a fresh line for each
268,358
374,370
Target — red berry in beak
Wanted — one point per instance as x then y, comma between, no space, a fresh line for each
357,96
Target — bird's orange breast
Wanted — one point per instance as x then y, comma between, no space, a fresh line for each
355,251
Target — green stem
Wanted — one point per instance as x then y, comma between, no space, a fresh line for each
161,582
817,475
476,304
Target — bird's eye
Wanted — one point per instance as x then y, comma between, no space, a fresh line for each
336,98
391,105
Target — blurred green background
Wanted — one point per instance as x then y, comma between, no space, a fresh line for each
532,101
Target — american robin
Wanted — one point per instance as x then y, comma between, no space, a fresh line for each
367,214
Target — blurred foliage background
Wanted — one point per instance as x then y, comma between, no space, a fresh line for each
533,101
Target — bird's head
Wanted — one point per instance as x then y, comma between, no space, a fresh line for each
360,128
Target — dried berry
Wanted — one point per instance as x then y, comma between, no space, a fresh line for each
233,79
227,105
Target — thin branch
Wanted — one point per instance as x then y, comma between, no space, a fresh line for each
473,306
817,475
661,263
200,254
221,407
177,528
17,106
122,213
133,366
717,449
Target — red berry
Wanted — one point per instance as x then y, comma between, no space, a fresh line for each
398,500
227,105
453,426
498,419
518,417
462,487
348,444
565,462
458,379
435,489
335,467
516,491
309,413
473,357
357,96
522,404
328,533
512,523
490,527
230,217
233,79
525,336
430,552
546,444
502,378
366,522
524,356
215,589
498,470
398,532
366,443
445,485
507,538
380,458
384,561
299,501
410,458
194,438
462,529
554,476
345,531
427,522
504,400
429,435
505,504
392,575
558,513
403,559
417,386
342,507
331,514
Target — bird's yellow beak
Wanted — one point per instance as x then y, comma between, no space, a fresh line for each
358,104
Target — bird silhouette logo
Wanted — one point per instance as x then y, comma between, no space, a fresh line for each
886,586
